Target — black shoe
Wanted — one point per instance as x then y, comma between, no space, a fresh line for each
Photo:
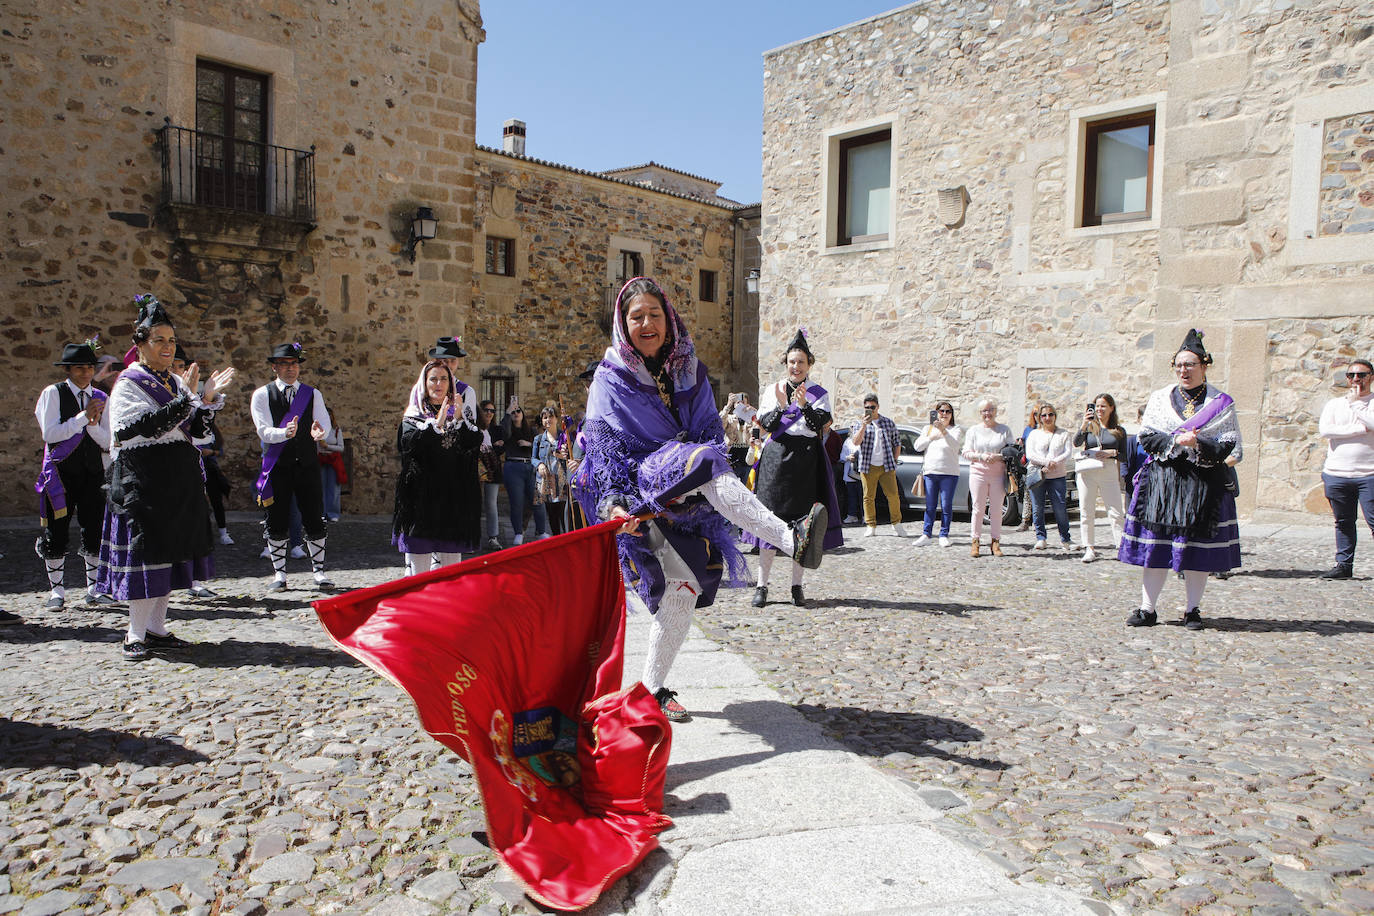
797,597
165,642
1193,620
135,651
1338,572
810,537
7,617
54,604
672,709
1142,618
99,601
760,596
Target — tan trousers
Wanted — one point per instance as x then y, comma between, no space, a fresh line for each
881,477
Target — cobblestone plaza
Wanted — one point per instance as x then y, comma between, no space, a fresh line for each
1155,770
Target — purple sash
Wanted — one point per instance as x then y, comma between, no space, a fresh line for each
789,416
1207,414
272,452
49,486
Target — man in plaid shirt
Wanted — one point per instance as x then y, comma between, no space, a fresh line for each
879,447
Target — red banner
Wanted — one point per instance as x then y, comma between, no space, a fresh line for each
514,661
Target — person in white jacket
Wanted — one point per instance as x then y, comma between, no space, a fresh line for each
1347,423
939,442
1048,448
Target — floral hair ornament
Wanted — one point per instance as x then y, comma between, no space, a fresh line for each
150,311
93,342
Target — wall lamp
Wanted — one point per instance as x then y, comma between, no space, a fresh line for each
751,281
422,228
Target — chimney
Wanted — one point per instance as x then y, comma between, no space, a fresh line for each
513,137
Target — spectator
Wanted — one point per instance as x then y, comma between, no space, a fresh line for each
1097,471
879,448
490,458
333,474
940,444
550,470
1047,448
1347,423
737,418
853,483
518,473
1183,515
987,474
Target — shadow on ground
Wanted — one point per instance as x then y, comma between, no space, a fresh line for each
35,744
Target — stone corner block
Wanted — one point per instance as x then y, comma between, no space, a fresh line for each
1207,141
1209,268
1222,205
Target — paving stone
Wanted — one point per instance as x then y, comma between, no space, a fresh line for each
50,904
436,887
156,874
295,867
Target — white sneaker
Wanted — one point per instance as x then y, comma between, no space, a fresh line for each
850,520
224,537
1089,555
1066,546
898,530
518,539
923,540
546,535
1040,545
944,541
297,553
870,532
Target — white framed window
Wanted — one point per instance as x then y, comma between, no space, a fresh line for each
1116,152
860,178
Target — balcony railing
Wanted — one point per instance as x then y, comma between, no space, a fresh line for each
210,170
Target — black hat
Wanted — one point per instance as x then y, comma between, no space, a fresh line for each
180,354
1193,344
799,343
447,348
150,312
590,371
292,350
77,354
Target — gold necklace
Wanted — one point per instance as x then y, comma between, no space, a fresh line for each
1190,404
661,380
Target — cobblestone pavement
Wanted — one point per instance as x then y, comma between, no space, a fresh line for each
263,771
1222,771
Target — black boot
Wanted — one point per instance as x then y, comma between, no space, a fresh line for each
760,596
1339,572
798,598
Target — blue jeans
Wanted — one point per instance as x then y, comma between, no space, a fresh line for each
329,482
1347,495
940,489
853,498
519,478
1053,487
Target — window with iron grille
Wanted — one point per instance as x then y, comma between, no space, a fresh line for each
231,137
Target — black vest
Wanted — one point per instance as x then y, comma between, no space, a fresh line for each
86,457
301,446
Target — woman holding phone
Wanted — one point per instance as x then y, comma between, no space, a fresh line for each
1101,442
940,444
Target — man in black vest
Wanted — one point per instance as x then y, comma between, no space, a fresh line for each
291,417
76,437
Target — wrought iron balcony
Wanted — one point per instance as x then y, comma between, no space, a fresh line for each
201,169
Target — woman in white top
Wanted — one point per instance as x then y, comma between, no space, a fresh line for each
940,444
1048,449
987,473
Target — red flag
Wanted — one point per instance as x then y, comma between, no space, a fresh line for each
514,661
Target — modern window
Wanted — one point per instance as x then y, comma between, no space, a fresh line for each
1118,169
501,256
865,188
231,143
706,286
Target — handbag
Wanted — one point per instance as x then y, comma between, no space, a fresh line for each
1086,462
918,489
1034,477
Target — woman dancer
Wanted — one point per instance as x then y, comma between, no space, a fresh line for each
438,498
793,472
1182,516
157,533
654,443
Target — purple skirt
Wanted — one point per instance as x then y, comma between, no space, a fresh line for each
125,577
1142,547
415,544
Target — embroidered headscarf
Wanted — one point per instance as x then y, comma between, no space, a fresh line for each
419,405
680,361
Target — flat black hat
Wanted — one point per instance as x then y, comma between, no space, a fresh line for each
799,343
77,354
288,351
180,354
448,348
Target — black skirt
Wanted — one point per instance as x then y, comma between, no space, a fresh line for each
437,494
160,488
787,481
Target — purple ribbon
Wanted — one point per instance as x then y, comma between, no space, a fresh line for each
49,485
272,452
1207,414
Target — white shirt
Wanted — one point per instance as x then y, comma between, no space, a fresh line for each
941,450
48,409
1348,426
261,410
1045,448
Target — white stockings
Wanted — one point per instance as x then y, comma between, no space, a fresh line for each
668,631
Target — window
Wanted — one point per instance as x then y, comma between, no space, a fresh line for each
631,265
501,256
706,286
231,142
1118,169
865,188
498,384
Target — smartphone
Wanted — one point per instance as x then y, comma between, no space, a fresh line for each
755,433
934,415
1092,408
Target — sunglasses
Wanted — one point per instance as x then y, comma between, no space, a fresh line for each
944,410
1353,375
1049,414
488,410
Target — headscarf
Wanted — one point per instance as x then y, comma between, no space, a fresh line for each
150,312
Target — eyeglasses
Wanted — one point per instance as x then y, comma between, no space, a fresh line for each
488,410
1179,367
1353,375
944,410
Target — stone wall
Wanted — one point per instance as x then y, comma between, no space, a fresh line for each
385,96
1347,187
549,320
1017,300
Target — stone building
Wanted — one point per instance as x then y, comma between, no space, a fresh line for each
1038,200
257,167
